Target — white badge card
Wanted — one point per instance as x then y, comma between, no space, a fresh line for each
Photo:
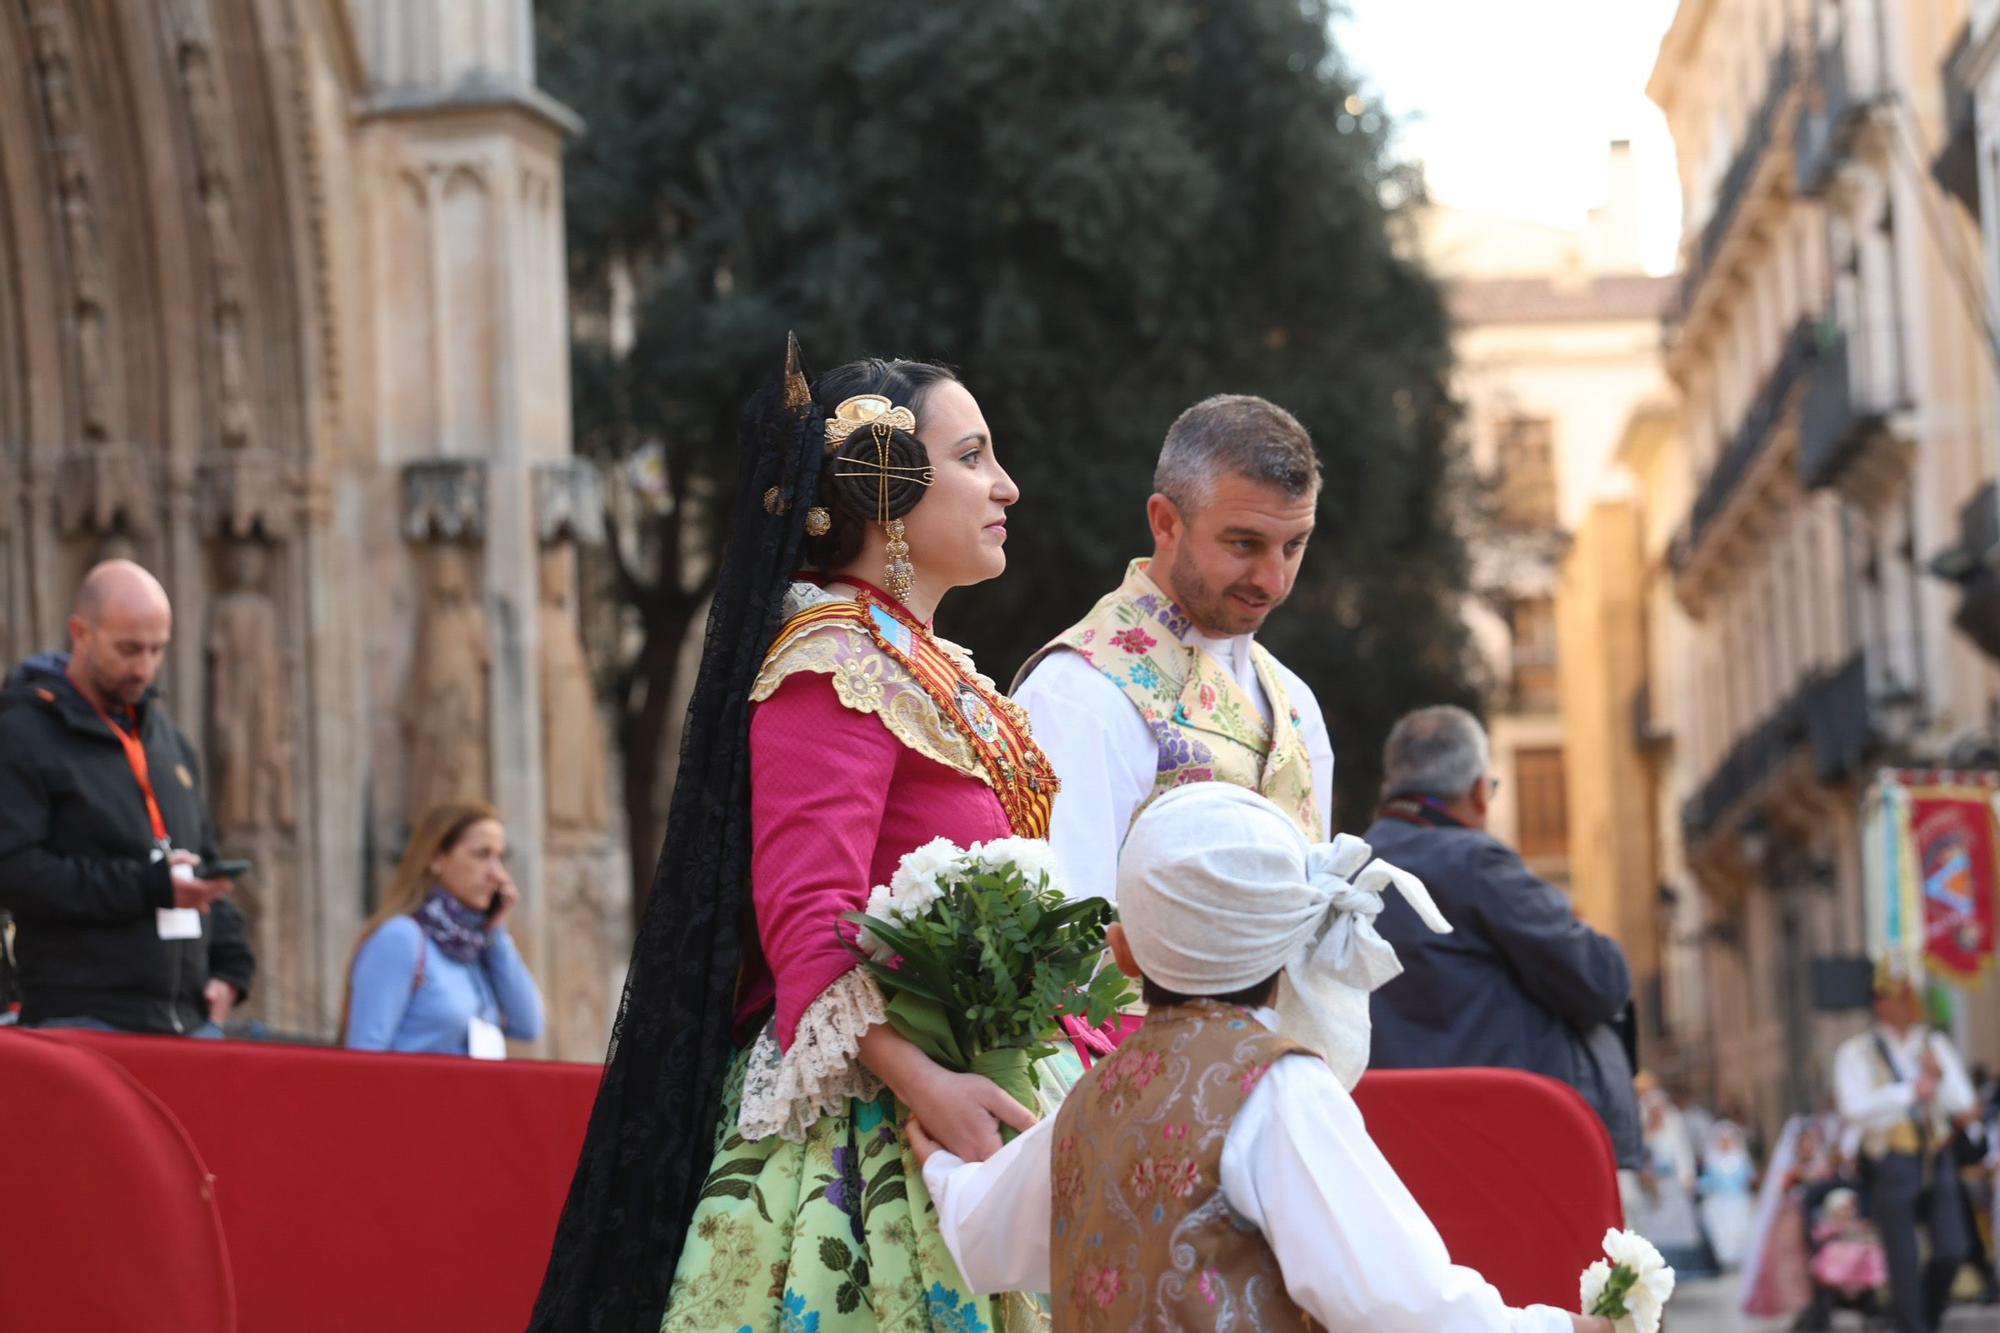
176,923
483,1041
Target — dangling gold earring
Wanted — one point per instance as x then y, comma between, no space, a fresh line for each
901,573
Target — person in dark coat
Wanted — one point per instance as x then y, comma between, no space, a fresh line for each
1520,983
102,823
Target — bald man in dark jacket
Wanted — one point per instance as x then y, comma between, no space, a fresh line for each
112,927
1520,983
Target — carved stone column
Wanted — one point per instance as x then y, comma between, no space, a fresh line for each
446,709
246,505
585,880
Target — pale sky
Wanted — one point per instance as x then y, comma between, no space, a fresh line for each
1511,104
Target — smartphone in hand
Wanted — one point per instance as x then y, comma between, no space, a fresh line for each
229,869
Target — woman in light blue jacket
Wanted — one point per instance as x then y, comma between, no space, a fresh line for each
435,969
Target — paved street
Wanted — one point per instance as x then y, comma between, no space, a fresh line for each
1710,1307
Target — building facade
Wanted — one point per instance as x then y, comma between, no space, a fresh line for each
283,317
1557,340
1834,413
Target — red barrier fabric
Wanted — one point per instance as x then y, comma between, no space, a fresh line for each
110,1225
372,1191
1516,1171
420,1193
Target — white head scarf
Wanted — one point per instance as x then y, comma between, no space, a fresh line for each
1218,891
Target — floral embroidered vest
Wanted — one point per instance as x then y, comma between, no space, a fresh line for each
1206,725
1142,1235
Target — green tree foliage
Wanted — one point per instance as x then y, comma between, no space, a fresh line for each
1100,211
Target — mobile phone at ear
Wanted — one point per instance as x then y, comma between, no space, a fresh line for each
494,904
222,870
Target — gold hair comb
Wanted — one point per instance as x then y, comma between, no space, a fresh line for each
868,409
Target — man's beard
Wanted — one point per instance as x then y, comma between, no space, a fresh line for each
118,689
1212,612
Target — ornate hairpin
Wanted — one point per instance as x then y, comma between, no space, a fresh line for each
867,409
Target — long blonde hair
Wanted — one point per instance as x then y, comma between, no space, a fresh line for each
438,833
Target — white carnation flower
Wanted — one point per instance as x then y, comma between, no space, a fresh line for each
918,880
1652,1285
1648,1299
1591,1284
1633,1251
1033,857
878,907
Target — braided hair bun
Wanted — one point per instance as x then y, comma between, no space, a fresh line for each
877,473
852,484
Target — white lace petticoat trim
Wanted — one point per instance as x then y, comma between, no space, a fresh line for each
786,1092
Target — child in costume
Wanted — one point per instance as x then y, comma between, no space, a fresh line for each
1849,1257
1213,1172
1727,1208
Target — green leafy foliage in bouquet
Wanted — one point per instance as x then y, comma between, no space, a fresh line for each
981,957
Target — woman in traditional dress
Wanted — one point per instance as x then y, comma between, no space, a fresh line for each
744,1168
1664,1211
1776,1283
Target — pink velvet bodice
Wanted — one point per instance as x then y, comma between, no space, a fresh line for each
835,803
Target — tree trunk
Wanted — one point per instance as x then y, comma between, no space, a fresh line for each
642,743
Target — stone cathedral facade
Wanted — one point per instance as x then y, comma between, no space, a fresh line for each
283,317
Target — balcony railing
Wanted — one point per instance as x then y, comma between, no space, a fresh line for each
1824,131
1760,423
1757,138
1972,563
1830,711
1956,167
1839,722
1831,429
1750,763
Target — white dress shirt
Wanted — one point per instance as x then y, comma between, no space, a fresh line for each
1871,1106
1297,1164
1107,758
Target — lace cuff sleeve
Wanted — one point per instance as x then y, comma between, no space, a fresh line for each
785,1092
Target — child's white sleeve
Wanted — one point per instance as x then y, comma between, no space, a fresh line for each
995,1214
1355,1248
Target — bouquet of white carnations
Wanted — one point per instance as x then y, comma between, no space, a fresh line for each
981,957
1630,1285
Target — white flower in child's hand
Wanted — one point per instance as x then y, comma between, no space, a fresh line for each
1648,1299
1591,1284
1634,1251
1630,1285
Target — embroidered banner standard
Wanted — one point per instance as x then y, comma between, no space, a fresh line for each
1932,846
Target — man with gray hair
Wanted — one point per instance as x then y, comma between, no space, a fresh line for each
1163,682
1520,982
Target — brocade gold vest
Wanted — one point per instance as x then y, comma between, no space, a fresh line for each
1205,724
1142,1235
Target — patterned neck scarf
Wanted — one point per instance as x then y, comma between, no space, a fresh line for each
458,930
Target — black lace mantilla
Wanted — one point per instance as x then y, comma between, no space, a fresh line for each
652,1131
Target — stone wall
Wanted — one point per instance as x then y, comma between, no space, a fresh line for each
282,316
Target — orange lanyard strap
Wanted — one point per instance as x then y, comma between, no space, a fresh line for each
135,755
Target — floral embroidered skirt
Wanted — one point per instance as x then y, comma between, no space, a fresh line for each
833,1235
